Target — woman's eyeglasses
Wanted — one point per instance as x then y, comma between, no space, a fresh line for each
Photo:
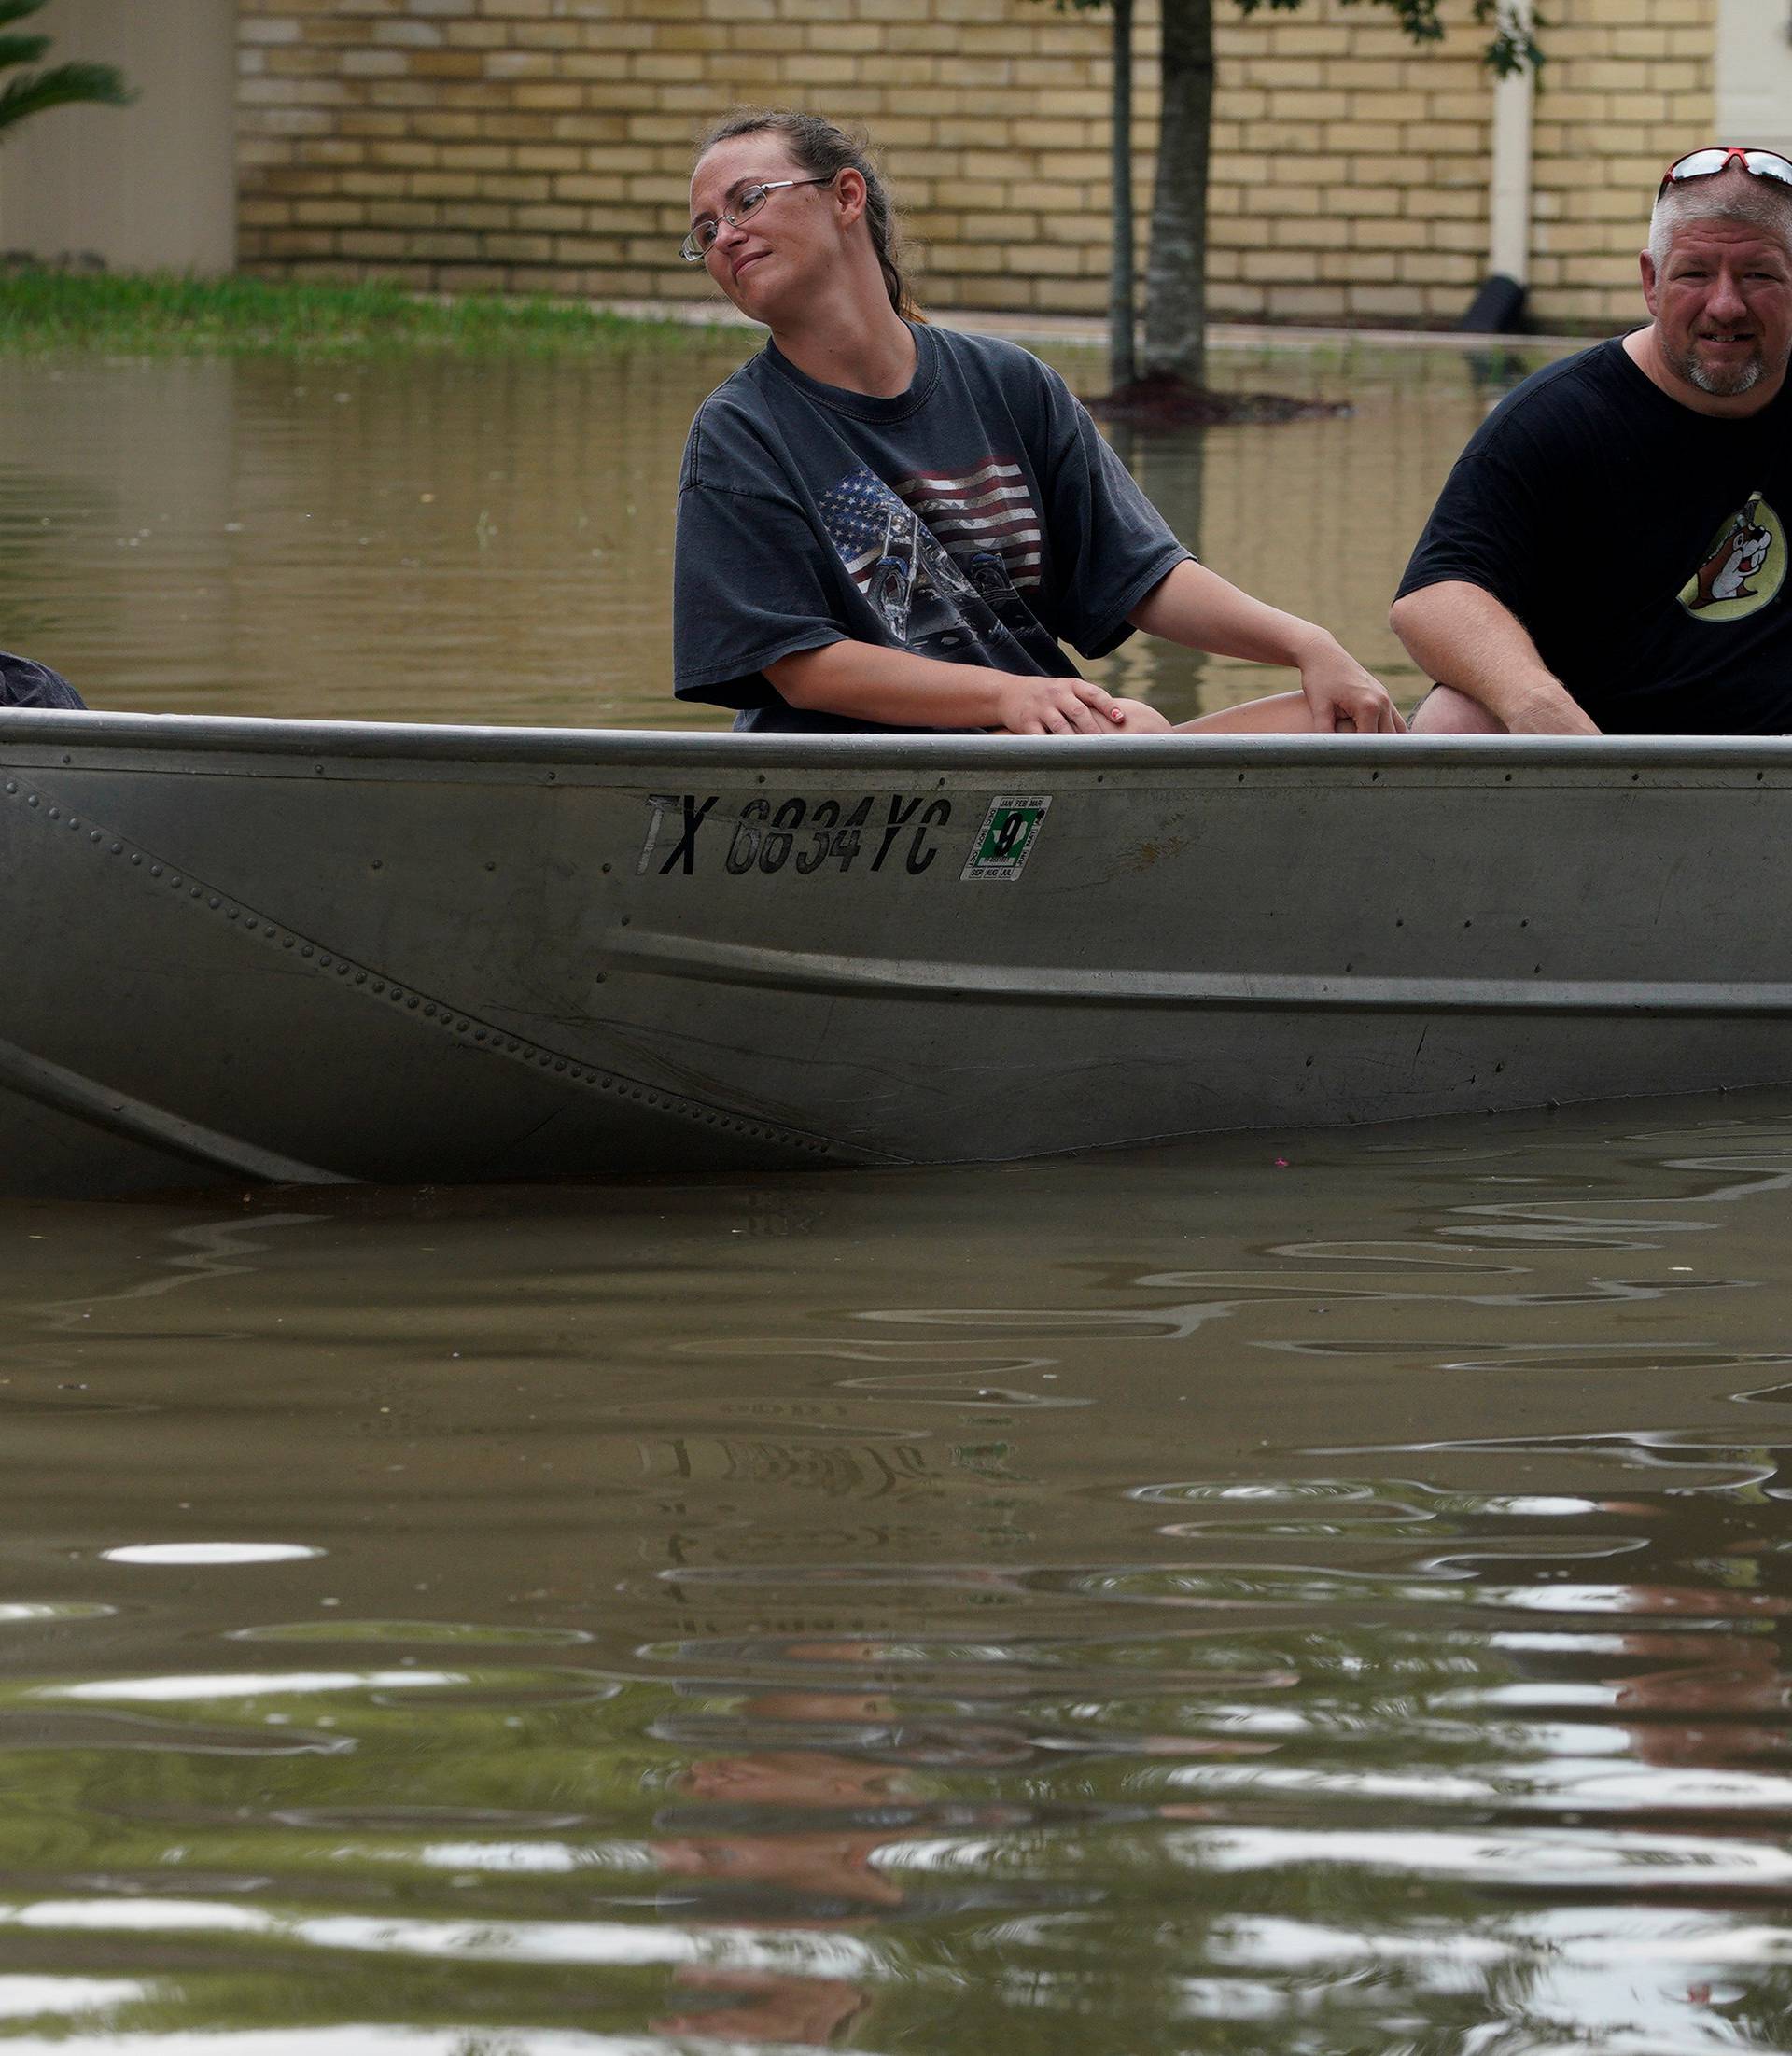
747,203
1708,164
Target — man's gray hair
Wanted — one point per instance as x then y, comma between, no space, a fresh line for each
1732,195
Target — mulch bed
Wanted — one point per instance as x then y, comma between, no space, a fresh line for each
1162,399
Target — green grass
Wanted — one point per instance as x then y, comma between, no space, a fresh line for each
49,310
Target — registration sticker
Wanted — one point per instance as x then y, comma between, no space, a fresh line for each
1010,828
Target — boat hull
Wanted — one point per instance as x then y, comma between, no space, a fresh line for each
239,950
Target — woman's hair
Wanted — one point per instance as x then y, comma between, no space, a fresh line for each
822,148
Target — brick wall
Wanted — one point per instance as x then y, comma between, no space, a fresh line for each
1350,168
1632,89
543,145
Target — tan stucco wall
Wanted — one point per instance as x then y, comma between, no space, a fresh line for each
150,187
1753,72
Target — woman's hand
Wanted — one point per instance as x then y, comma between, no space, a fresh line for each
1197,607
1056,706
1342,694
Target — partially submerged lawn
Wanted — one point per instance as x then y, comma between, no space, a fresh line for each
49,310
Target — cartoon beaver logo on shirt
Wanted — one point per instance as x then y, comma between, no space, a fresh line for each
1744,568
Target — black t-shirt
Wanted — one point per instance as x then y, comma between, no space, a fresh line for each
1641,544
978,517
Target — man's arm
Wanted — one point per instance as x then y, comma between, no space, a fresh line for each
871,683
1461,635
1197,607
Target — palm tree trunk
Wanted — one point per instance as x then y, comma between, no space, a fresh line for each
1122,364
1176,275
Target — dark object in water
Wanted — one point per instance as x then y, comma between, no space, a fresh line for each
1166,400
1497,309
25,683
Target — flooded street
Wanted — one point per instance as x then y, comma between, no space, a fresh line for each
1309,1595
450,539
1295,1592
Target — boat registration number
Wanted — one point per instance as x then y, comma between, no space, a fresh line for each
902,833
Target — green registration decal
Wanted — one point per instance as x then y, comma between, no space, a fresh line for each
1010,828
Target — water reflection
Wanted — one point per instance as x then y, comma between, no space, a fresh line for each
1261,1595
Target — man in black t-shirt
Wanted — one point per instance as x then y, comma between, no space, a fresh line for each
1609,553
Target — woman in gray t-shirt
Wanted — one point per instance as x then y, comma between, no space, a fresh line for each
887,524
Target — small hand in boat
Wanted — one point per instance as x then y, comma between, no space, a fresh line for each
1343,695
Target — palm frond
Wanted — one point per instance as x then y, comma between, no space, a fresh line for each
17,11
21,50
64,86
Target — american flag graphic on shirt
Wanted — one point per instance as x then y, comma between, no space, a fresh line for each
986,513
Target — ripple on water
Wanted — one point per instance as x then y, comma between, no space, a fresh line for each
420,1633
1384,1649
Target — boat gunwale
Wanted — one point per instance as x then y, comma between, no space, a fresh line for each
1028,756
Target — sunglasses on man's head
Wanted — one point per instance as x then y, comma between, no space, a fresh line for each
1708,164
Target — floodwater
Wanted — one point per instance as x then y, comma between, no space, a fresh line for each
1312,1593
439,539
1286,1593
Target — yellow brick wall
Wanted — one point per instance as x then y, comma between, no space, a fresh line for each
1351,167
1633,86
543,145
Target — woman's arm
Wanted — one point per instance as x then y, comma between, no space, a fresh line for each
1197,607
871,683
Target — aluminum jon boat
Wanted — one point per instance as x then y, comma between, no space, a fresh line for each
240,949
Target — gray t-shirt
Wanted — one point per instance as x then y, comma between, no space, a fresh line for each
978,517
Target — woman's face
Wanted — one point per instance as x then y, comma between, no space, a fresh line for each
789,241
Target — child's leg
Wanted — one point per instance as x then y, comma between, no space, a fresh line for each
1282,713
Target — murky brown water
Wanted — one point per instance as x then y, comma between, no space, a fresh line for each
434,540
1312,1593
1282,1594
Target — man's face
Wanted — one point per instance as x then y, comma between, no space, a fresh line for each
1722,303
